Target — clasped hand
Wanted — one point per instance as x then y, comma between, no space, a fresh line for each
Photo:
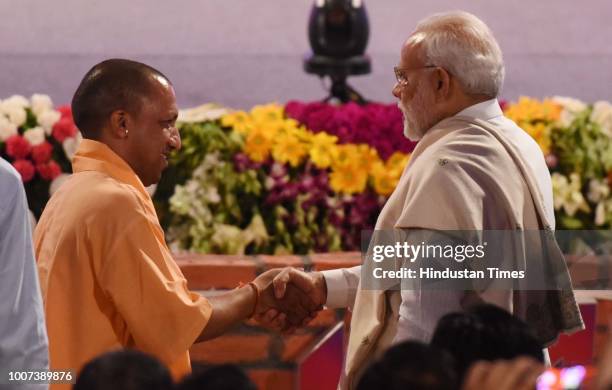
288,298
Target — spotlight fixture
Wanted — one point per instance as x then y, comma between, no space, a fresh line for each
338,32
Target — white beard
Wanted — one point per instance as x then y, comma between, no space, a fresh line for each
413,133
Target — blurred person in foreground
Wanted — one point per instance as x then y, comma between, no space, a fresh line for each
485,332
221,377
23,337
472,170
124,370
108,279
411,365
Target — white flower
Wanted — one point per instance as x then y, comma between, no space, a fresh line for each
571,107
211,160
205,112
567,195
40,104
47,119
15,114
598,190
603,212
602,114
35,136
7,128
269,183
57,182
71,145
16,101
211,195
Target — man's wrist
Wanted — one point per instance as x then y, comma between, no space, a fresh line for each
321,285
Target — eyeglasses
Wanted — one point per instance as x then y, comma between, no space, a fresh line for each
401,77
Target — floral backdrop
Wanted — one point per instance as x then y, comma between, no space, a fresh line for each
305,177
39,141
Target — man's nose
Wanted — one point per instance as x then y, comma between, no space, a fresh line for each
175,140
396,91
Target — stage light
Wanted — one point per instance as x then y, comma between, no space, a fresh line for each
338,32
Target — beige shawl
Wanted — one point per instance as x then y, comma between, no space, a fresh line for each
463,175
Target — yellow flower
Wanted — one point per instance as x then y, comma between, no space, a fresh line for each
288,149
540,132
397,162
278,127
240,121
258,145
366,157
348,178
529,110
384,179
268,113
345,154
322,149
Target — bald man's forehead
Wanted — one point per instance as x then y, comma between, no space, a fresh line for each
164,82
411,53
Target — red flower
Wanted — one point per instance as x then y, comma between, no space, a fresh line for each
17,147
49,171
503,104
42,153
66,111
64,128
25,169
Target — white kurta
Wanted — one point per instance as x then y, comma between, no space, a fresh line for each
23,335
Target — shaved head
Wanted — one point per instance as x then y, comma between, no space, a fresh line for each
115,84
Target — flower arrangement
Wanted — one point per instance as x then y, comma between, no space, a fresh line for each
576,139
38,141
264,182
311,176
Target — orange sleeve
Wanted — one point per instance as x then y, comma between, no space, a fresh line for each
150,292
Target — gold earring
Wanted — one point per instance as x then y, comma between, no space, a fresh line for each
126,132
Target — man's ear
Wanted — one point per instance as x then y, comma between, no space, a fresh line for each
442,80
119,123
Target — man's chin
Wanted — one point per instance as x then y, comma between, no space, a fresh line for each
412,134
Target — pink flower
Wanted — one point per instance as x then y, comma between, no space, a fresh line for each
25,169
551,160
17,147
49,170
42,153
295,110
64,128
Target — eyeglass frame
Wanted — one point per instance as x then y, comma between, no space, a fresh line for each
398,73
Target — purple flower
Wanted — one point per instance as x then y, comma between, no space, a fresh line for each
242,162
551,160
379,125
295,110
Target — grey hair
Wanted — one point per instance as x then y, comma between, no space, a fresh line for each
463,45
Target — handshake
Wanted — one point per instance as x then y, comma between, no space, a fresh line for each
288,298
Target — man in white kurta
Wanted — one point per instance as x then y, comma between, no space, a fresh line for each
472,170
342,283
23,336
